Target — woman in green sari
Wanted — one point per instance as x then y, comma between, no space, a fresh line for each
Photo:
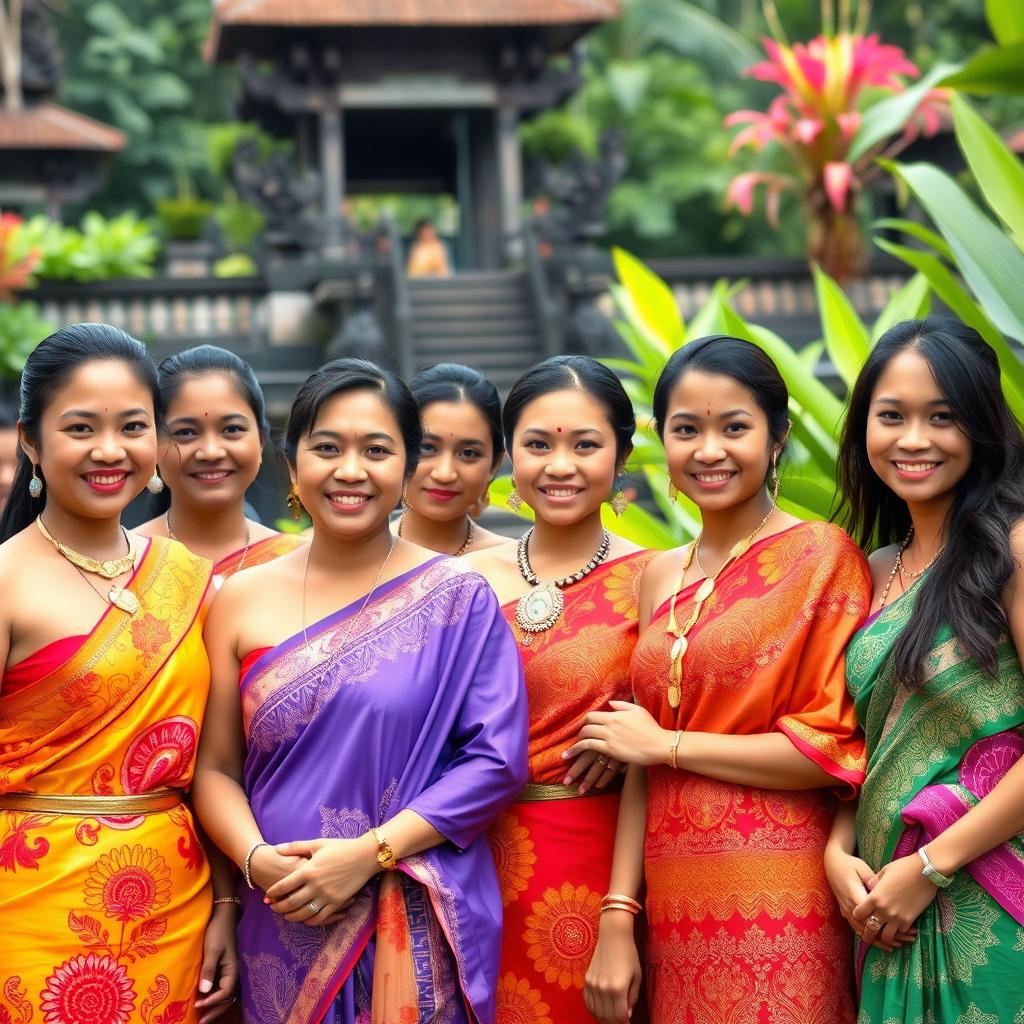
932,468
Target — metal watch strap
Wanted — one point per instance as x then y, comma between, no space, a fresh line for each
936,877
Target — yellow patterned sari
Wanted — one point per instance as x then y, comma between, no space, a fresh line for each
104,888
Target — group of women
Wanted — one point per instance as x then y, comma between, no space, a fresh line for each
437,775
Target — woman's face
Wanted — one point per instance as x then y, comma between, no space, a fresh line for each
717,444
350,467
563,456
913,441
456,462
97,441
213,448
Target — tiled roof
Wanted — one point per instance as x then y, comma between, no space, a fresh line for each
323,13
49,126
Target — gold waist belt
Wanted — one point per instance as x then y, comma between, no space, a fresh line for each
536,791
125,806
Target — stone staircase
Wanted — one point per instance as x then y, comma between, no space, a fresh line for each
484,319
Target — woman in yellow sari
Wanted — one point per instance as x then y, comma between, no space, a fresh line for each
210,455
105,891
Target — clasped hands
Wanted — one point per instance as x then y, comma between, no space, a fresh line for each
313,881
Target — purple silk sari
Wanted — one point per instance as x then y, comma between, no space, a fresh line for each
421,708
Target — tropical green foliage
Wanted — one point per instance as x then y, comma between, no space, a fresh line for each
21,329
101,249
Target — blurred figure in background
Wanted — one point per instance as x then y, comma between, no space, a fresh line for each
428,256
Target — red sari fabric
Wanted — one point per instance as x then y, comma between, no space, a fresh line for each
554,855
743,926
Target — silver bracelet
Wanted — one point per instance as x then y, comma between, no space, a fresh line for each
227,899
248,862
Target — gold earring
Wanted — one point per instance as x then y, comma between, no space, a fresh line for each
774,482
295,502
673,491
619,501
405,502
514,500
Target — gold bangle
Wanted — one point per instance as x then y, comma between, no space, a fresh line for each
672,750
620,906
227,899
618,897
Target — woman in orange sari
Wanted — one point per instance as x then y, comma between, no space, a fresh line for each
743,735
105,891
569,429
212,451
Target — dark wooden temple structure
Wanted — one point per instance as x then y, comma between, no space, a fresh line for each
49,155
385,96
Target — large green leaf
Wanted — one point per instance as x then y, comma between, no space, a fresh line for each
1006,19
911,302
846,338
953,294
989,261
888,117
998,171
997,69
919,231
653,300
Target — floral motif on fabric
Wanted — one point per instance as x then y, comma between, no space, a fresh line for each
518,1003
161,755
514,856
622,589
343,822
15,1007
149,633
273,987
128,884
88,989
561,933
18,847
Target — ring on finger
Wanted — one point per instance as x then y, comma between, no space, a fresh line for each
312,906
602,760
874,924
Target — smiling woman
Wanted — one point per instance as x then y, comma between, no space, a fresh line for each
102,695
380,864
211,452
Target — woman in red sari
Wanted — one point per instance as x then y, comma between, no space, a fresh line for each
212,451
569,591
743,735
105,892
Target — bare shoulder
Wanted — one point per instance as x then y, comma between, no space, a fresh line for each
155,527
496,559
663,566
484,540
620,547
257,531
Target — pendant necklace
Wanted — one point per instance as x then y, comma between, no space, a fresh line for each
470,531
350,632
704,591
540,608
109,569
245,550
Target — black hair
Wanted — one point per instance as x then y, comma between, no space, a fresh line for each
580,373
744,362
341,375
964,589
453,382
47,370
8,417
211,361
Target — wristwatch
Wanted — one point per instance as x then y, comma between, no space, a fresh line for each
929,871
385,855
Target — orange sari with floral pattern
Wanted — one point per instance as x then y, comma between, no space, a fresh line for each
265,550
743,926
553,849
102,917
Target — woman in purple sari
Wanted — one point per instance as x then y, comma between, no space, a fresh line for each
353,771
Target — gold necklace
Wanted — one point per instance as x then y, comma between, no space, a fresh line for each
704,591
465,544
245,551
349,633
116,595
539,608
108,568
899,567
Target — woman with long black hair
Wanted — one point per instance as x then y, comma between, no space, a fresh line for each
932,472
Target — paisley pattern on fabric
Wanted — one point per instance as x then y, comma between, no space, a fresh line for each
554,857
743,926
103,917
933,753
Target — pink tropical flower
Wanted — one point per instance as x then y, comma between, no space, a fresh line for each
838,176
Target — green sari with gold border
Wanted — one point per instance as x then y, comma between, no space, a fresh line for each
933,753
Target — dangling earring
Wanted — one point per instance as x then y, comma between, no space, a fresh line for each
514,500
35,485
155,484
774,480
295,502
619,500
405,502
673,491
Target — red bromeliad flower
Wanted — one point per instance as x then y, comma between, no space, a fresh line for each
814,121
17,260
